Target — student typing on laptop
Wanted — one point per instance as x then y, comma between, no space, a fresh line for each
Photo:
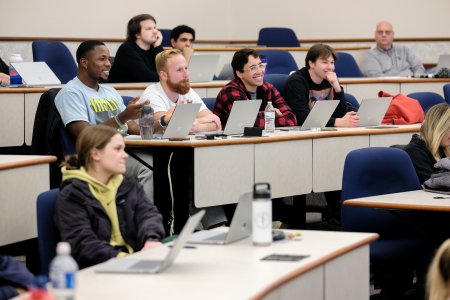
174,89
315,82
249,84
101,213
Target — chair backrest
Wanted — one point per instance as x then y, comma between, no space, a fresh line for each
346,66
352,100
58,58
427,99
166,37
279,61
370,172
127,99
209,102
48,235
278,80
447,92
277,37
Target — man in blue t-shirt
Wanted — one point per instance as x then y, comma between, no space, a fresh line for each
85,101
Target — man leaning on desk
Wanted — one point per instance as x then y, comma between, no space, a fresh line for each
173,89
387,59
84,101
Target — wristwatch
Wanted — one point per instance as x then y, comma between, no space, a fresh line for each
162,123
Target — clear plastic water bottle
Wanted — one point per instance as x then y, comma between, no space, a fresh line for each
269,118
146,117
63,270
13,75
262,215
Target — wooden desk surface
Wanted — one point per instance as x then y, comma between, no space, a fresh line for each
414,200
229,272
17,161
278,136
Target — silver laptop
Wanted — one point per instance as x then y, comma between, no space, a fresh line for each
371,111
130,265
320,114
181,122
240,228
202,67
443,62
36,74
227,72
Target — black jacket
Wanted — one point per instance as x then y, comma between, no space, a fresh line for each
83,222
132,64
3,67
13,275
296,93
421,158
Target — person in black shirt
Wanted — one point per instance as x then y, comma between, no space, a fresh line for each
317,81
4,71
433,143
135,59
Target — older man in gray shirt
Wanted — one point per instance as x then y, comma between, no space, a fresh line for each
387,59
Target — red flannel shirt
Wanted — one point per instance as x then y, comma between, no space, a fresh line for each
235,90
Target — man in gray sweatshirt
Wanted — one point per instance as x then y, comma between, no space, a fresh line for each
387,59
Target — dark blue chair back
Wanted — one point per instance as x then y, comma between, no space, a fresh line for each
278,80
277,37
48,235
279,62
370,172
447,92
352,100
127,99
58,58
427,99
166,37
67,142
346,66
209,102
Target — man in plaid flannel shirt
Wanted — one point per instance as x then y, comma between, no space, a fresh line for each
248,84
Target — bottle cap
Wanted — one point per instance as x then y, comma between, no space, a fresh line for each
63,248
261,190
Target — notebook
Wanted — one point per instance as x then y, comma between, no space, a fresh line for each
371,111
131,265
36,74
243,114
240,228
443,62
202,67
181,122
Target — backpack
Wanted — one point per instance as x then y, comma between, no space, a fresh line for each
402,110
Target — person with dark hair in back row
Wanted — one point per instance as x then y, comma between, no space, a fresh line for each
135,59
101,213
4,71
182,38
84,101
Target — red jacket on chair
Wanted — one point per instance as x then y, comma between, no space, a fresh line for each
402,110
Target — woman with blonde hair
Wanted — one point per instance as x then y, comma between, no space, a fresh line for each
101,213
438,279
433,143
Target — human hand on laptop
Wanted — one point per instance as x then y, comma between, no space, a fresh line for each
151,244
351,119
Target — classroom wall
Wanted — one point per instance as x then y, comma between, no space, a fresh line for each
229,19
